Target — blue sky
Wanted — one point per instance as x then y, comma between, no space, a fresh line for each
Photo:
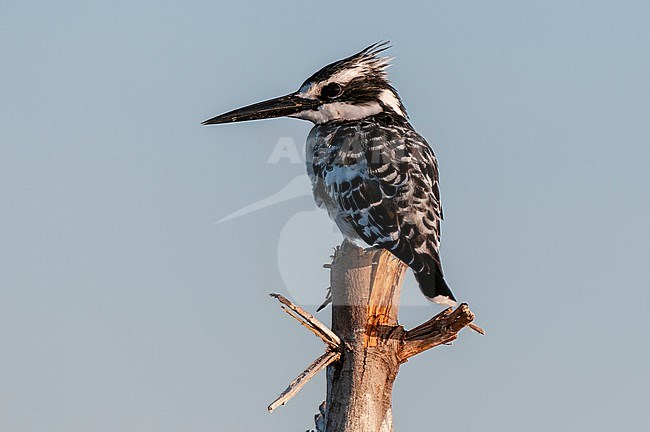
125,307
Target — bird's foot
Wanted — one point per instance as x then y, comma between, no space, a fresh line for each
328,300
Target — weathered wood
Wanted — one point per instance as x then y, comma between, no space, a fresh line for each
310,322
294,387
331,340
476,328
441,329
366,345
366,287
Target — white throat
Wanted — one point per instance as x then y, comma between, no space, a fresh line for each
339,111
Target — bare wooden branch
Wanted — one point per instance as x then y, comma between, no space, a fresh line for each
366,287
383,304
319,364
366,345
476,328
331,340
310,322
441,329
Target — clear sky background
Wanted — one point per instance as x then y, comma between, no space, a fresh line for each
125,307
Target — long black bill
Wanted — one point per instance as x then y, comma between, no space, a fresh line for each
278,107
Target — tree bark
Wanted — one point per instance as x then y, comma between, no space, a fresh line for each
366,345
366,287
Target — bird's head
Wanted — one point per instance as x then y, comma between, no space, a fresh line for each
349,89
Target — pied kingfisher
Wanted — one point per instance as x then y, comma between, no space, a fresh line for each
373,173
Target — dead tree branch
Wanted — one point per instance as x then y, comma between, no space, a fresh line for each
319,364
441,329
366,345
310,322
332,353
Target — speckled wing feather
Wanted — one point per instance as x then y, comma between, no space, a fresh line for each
378,179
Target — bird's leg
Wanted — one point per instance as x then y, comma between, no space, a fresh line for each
328,299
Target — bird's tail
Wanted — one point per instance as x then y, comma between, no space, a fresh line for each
434,287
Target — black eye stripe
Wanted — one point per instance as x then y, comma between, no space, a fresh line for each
331,91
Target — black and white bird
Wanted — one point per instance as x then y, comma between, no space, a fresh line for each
373,173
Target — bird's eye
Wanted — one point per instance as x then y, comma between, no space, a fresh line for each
331,91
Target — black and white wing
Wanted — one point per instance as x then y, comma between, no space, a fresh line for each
381,180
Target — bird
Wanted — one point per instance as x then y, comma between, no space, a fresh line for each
369,169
